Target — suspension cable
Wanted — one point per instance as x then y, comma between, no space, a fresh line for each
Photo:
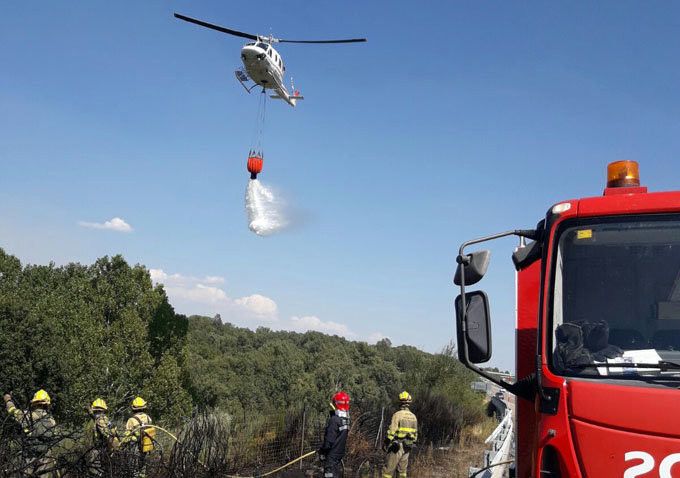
262,120
257,129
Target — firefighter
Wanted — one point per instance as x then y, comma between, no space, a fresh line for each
335,436
138,435
38,426
105,439
401,436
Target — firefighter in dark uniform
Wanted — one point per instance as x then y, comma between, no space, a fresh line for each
335,436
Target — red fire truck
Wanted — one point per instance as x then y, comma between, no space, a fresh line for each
597,333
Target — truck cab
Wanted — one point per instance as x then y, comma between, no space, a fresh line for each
597,333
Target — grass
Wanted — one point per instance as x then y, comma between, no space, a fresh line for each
454,462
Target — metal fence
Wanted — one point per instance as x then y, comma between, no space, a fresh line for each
211,444
497,458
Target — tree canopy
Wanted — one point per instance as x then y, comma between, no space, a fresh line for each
104,330
83,332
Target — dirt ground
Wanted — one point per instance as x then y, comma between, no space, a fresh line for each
428,463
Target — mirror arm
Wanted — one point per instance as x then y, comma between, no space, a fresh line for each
528,233
464,260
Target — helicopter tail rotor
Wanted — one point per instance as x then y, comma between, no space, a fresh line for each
295,97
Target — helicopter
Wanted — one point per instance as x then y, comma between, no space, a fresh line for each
261,62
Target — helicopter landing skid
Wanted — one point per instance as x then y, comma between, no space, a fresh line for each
243,79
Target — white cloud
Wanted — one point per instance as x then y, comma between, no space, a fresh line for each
213,280
200,295
376,337
259,304
159,276
311,322
116,224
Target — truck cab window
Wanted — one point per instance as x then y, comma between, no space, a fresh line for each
616,296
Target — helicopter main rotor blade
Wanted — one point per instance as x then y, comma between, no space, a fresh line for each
216,27
349,40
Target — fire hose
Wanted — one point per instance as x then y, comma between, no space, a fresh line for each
491,466
277,469
269,473
171,436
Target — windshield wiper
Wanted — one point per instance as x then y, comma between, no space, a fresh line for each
662,365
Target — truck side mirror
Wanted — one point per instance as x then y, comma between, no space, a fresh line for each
476,265
477,334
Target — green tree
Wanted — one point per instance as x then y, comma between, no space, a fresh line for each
83,332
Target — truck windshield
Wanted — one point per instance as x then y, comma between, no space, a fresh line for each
616,297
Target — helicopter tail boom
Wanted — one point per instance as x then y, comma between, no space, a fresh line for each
290,99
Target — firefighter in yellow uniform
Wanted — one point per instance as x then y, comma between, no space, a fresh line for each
105,440
139,435
401,436
38,427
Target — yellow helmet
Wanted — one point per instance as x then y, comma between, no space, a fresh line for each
138,403
405,397
41,397
99,404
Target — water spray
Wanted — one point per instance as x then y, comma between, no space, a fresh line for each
266,212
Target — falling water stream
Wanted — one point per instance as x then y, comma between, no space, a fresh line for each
265,211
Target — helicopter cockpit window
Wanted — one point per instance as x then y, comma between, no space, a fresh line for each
264,46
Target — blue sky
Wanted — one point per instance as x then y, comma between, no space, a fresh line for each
455,120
